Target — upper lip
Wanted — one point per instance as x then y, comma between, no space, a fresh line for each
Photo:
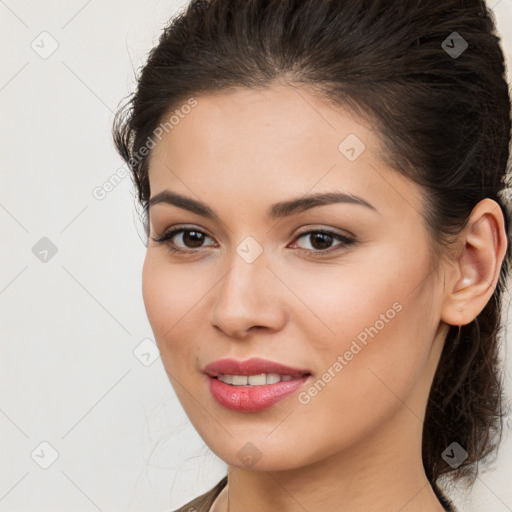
252,366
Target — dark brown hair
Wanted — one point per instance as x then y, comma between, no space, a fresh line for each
444,120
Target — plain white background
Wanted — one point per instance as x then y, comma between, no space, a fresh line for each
88,419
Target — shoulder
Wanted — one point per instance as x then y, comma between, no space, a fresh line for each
204,502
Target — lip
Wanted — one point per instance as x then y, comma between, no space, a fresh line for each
252,366
253,398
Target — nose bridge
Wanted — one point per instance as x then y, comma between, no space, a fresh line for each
246,296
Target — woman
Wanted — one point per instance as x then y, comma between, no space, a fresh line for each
328,245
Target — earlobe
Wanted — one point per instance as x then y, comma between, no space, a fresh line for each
475,272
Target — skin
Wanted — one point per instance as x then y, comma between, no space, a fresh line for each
357,444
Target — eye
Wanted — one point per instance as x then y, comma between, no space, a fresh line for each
321,241
188,240
191,238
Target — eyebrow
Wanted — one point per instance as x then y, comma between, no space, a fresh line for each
276,211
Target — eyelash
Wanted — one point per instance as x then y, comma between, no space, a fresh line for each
166,237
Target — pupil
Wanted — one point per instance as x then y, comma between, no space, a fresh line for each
190,235
327,239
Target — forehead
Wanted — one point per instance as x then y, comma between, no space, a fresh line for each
269,123
270,144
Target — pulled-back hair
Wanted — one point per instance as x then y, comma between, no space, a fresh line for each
444,120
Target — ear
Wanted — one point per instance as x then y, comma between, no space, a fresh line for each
474,273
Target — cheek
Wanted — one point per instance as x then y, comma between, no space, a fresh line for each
170,296
342,302
359,385
372,321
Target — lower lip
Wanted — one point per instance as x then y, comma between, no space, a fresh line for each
253,398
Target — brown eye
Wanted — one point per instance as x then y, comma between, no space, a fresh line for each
321,241
187,238
192,239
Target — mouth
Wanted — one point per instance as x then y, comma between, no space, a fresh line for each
261,379
238,373
254,398
253,385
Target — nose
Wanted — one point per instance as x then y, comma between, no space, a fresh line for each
248,299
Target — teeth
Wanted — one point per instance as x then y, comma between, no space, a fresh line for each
254,380
259,380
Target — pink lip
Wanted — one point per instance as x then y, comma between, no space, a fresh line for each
252,366
252,398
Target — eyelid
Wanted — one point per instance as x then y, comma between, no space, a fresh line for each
328,230
176,229
344,240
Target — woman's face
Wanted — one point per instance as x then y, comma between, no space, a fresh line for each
357,308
